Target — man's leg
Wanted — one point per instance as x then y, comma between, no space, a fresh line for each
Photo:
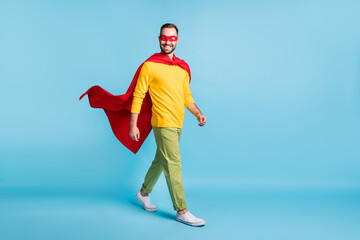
153,174
151,178
167,141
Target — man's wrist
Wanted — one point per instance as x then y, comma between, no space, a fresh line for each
133,119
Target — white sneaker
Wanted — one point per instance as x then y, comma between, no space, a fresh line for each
145,202
190,219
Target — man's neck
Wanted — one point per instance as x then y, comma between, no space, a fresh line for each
171,55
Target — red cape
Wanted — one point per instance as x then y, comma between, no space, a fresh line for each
117,108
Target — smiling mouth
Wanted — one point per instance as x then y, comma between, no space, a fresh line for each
167,48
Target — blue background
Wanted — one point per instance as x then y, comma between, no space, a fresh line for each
278,81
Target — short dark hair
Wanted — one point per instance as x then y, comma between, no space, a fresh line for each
169,25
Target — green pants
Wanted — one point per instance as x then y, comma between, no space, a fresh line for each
167,159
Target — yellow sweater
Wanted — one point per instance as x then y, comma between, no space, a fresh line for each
169,90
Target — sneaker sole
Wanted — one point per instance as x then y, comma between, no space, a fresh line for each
191,224
146,209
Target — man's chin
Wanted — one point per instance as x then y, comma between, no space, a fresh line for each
167,51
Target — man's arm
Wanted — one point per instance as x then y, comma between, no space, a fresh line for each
197,113
142,86
190,104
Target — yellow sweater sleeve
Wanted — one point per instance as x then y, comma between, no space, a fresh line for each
142,86
187,93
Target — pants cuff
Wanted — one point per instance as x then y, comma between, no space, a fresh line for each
178,208
145,190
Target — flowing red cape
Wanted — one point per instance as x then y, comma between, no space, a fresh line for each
117,108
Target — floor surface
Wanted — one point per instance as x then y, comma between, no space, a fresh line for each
236,214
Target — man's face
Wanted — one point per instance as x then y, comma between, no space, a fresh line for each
168,46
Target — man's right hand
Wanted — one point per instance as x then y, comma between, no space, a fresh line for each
134,133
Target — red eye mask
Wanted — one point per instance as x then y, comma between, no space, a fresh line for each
168,38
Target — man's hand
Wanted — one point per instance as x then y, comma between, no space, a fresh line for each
134,130
197,113
202,119
134,133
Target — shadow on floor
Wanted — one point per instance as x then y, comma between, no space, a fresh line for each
159,213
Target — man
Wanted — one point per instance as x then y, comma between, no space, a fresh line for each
168,87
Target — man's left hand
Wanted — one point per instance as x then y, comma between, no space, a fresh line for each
202,119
